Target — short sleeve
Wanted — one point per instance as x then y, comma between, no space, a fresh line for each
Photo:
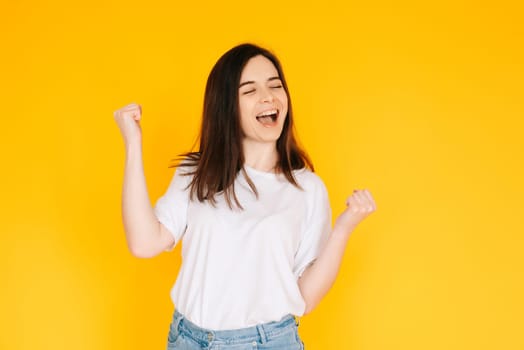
317,226
171,208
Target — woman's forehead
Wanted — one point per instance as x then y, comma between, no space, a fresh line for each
259,68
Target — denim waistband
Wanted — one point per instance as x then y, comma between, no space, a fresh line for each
261,333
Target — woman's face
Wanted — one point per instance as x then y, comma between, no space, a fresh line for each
262,101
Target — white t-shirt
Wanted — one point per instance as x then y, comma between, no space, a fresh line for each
240,267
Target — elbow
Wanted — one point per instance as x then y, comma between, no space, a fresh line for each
139,251
144,242
309,307
307,295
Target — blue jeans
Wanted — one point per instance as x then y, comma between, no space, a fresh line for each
278,335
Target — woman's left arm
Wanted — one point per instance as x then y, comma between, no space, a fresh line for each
318,278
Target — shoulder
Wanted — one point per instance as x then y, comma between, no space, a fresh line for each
316,197
310,181
185,169
187,166
183,175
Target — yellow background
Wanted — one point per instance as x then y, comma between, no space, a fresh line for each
422,103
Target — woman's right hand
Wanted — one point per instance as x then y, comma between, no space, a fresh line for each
128,120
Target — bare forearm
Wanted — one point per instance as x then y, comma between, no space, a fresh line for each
318,278
140,223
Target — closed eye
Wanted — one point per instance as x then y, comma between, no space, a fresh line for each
277,87
248,92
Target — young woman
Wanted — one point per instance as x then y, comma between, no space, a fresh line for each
254,220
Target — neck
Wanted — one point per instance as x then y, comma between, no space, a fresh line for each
260,156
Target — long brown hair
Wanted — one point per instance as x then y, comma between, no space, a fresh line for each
220,157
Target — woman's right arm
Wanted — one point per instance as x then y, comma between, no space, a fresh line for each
146,236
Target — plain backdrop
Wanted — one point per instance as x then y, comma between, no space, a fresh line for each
420,102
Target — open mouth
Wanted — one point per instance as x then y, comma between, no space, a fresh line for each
268,117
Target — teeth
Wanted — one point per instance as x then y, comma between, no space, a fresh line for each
266,113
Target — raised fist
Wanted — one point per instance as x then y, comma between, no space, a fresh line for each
359,205
128,120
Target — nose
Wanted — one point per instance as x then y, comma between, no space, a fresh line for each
266,95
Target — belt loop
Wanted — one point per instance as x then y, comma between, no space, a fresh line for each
177,319
262,333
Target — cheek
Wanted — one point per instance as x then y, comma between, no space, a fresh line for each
243,111
283,100
246,120
284,105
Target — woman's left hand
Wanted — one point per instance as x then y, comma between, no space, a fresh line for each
359,205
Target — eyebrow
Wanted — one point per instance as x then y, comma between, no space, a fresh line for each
252,82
